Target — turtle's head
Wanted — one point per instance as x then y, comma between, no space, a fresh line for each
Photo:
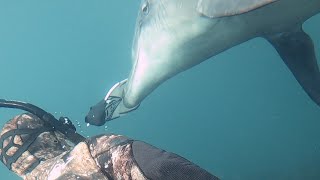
161,45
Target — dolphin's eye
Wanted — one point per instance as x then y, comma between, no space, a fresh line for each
145,8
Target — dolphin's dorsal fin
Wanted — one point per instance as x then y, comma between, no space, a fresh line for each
222,8
297,51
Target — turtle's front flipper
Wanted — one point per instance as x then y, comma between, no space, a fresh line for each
110,107
297,51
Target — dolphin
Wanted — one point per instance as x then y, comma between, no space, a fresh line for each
172,36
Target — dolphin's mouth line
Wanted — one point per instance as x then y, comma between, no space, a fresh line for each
137,58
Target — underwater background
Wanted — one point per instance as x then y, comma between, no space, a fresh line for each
240,115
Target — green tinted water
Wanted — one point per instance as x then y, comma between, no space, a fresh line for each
241,115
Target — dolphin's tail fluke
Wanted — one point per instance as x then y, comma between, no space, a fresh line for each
297,51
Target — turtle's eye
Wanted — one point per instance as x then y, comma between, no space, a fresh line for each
145,8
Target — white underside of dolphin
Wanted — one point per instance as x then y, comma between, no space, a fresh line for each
174,35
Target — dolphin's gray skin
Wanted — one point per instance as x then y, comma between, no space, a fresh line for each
174,35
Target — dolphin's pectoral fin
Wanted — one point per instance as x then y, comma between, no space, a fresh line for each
222,8
297,51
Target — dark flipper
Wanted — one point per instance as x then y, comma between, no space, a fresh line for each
297,51
97,114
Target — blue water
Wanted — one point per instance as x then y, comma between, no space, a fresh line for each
240,115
